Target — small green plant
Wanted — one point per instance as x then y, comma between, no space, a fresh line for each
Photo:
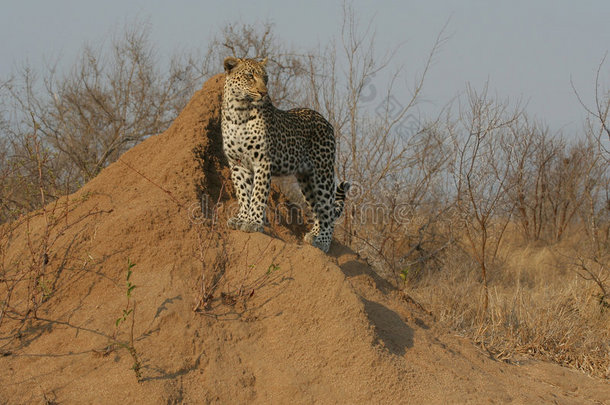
404,273
130,308
45,290
273,268
130,287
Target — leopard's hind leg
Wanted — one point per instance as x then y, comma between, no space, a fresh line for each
324,192
307,188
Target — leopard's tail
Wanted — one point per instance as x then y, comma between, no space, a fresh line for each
340,193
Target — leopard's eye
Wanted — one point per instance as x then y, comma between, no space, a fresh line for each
249,76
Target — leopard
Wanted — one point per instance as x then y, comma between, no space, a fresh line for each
261,141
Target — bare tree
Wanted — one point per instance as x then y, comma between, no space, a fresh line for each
104,106
393,158
568,183
481,175
532,155
375,130
106,103
591,256
285,66
598,123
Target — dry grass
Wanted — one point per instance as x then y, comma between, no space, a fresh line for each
538,305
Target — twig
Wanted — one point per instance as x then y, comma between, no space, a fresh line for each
153,183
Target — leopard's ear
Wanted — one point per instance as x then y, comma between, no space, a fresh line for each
230,63
263,62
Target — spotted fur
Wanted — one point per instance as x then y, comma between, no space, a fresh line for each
260,140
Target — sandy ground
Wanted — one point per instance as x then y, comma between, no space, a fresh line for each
281,322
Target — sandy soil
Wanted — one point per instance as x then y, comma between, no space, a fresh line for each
281,322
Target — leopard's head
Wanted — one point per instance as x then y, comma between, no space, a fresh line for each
246,79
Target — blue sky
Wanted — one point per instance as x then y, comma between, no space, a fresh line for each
526,49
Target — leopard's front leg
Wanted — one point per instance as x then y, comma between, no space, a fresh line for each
242,182
259,197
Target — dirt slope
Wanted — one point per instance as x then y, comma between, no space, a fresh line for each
282,323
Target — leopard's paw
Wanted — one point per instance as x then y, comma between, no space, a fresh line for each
235,223
251,227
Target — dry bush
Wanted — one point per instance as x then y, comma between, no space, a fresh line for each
31,279
549,178
591,254
480,172
223,295
108,101
211,251
537,306
27,165
572,175
548,291
533,153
